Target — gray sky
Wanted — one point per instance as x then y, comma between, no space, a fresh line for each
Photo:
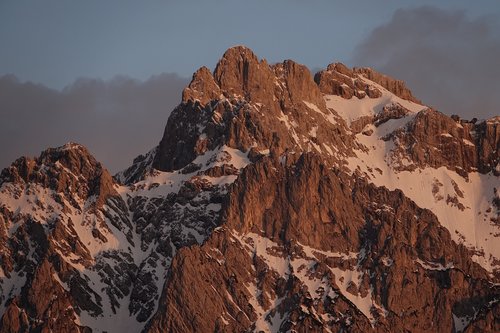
116,119
449,60
54,43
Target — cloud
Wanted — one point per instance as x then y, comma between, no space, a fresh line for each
449,60
116,119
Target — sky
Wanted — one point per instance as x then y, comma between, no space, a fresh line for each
108,73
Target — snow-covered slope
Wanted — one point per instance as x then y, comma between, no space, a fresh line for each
115,255
463,204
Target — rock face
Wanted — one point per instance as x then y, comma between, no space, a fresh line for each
54,168
397,87
38,240
250,105
313,248
276,201
339,80
433,139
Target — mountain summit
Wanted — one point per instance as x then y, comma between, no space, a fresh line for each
276,201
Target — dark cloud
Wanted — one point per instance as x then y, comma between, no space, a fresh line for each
116,119
449,60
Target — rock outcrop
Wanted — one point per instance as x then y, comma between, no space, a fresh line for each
397,87
434,139
70,170
339,80
254,106
295,227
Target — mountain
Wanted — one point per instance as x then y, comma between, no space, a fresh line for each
275,201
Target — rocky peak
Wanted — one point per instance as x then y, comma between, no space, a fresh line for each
397,87
246,104
73,156
340,68
239,72
202,87
300,83
70,169
340,80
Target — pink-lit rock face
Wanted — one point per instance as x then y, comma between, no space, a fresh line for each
276,201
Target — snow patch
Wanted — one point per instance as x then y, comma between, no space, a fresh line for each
470,225
432,266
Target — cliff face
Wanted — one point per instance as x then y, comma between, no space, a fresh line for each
433,139
275,201
305,247
249,105
53,222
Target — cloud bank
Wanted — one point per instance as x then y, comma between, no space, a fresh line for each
116,119
449,60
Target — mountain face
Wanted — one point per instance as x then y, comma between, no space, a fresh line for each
276,201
